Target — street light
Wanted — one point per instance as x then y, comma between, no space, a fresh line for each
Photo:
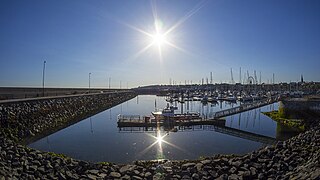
89,80
43,72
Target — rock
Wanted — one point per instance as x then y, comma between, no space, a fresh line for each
71,175
223,177
126,177
185,166
233,170
91,176
126,168
199,166
147,174
41,170
253,171
158,176
92,171
233,177
136,178
115,175
236,164
244,174
176,176
195,176
261,176
61,176
185,177
33,168
205,162
102,175
257,165
39,156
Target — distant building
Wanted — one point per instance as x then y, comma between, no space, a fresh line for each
301,78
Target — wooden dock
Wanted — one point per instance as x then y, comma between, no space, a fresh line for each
245,107
145,121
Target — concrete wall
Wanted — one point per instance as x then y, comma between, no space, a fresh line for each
300,104
299,108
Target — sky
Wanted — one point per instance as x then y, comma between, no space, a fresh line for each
116,40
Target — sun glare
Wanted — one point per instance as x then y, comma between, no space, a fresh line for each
159,139
161,35
159,39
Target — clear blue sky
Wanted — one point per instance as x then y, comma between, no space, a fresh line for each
78,37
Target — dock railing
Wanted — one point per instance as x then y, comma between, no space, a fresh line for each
129,118
245,107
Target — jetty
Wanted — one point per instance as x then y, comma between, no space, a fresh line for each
245,107
147,121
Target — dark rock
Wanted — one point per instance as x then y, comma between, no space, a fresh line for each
126,168
195,176
233,177
115,175
147,174
61,176
261,176
126,177
205,162
233,170
223,177
92,171
236,164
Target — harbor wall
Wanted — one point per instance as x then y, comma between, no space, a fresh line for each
296,106
29,119
34,92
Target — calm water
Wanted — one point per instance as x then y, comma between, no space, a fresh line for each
98,138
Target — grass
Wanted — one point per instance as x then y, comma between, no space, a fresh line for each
58,155
294,123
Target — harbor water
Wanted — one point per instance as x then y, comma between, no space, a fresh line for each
98,139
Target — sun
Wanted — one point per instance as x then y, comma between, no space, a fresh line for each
160,35
159,39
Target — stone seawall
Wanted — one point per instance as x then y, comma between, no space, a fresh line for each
296,158
300,108
300,104
29,119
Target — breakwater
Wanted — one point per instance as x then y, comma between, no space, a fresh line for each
32,118
300,104
33,92
295,158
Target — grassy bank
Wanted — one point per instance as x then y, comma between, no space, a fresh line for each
294,124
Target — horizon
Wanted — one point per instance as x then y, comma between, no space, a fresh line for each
144,43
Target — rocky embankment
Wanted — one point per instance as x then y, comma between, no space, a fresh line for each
26,119
296,158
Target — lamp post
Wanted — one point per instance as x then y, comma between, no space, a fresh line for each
43,73
89,80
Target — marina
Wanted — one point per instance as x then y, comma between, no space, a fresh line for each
95,135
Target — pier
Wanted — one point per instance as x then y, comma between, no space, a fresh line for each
145,121
245,107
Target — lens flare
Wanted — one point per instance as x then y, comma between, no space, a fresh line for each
159,39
